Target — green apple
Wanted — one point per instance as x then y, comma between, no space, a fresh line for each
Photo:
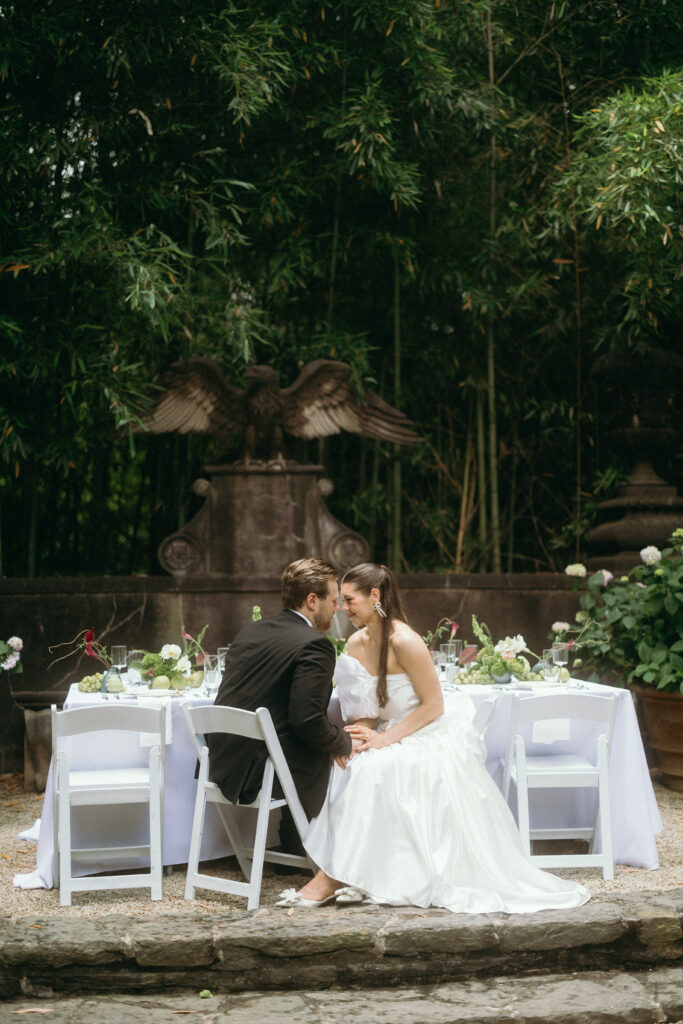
160,683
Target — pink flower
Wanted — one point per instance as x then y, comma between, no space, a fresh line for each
10,661
607,576
89,641
16,643
454,629
186,635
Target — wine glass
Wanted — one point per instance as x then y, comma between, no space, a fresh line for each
450,653
560,654
119,654
222,654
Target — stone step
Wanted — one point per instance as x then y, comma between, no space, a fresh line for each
368,947
590,997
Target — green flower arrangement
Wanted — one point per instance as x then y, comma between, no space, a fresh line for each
499,662
633,626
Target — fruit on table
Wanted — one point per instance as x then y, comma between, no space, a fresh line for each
196,678
160,683
91,684
114,684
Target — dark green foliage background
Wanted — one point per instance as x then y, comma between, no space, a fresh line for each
271,182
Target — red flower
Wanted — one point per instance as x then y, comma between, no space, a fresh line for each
89,640
570,644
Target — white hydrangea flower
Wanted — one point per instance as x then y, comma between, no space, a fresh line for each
651,555
16,643
184,665
560,627
576,569
169,651
510,647
607,576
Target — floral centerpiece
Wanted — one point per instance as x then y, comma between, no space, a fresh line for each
10,654
499,662
174,667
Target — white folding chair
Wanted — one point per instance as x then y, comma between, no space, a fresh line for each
560,771
256,725
97,787
482,716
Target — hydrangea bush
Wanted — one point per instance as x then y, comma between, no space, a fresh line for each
634,624
10,654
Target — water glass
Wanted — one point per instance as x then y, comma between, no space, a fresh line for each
450,652
561,654
212,675
437,660
222,655
119,653
133,660
551,670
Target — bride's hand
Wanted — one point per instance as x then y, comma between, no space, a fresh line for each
365,738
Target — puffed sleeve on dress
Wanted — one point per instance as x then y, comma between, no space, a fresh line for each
356,689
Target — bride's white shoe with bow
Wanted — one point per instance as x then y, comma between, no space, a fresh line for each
292,898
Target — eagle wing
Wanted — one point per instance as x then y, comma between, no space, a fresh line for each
324,400
197,399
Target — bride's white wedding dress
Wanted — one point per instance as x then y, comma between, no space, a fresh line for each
421,822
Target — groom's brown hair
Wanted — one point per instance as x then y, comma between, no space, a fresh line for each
306,576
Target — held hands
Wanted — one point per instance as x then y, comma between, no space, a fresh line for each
341,759
364,738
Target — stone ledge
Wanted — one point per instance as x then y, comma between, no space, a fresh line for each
609,997
366,947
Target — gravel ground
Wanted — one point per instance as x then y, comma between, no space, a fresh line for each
19,809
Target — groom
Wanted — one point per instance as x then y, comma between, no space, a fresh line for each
284,663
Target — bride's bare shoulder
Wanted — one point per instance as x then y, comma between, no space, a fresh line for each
404,640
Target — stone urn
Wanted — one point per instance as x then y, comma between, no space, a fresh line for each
663,716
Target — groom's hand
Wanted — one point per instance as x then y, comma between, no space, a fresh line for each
341,759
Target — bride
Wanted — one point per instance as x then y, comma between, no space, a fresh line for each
413,817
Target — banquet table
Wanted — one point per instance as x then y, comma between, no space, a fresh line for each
635,815
127,824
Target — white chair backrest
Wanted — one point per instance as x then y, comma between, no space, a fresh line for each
129,718
577,706
207,718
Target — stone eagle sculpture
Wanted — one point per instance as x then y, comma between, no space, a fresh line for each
323,400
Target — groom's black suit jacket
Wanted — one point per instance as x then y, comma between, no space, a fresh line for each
285,665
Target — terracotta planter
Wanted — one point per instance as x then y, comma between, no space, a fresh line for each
663,714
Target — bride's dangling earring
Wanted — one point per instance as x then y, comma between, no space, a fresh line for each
377,606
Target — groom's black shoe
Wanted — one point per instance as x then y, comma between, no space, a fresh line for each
286,869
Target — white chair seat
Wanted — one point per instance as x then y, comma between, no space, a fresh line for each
556,771
109,777
558,764
104,787
256,725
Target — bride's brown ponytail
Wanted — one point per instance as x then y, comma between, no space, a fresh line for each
366,577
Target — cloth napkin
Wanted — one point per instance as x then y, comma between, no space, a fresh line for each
148,739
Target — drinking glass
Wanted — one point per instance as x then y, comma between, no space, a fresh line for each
212,675
550,668
133,660
119,653
437,660
222,654
561,654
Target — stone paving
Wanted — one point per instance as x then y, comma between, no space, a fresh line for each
613,997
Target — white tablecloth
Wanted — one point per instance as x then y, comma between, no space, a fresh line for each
127,824
635,815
